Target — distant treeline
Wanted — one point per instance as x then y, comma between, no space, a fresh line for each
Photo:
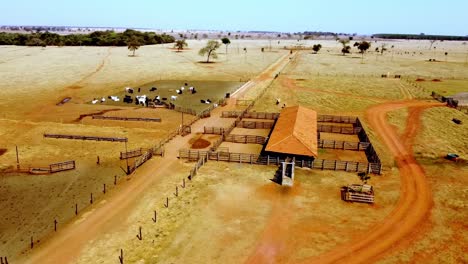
97,38
420,36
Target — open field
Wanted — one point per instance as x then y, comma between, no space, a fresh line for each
230,212
224,209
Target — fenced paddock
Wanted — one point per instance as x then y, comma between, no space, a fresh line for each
251,115
337,119
117,118
337,165
344,145
245,139
77,137
338,129
254,124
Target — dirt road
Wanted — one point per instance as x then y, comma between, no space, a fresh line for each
66,245
414,205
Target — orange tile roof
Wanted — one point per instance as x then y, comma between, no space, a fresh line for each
295,132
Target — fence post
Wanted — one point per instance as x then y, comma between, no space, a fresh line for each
55,225
268,159
91,199
121,258
323,163
139,236
155,217
115,179
76,209
368,168
32,242
104,189
335,165
346,168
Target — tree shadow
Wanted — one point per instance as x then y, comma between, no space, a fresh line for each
205,62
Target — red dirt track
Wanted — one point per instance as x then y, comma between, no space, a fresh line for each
411,211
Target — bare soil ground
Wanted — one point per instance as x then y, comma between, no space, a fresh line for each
230,212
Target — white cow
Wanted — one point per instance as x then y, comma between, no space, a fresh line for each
94,101
173,97
141,99
115,98
103,100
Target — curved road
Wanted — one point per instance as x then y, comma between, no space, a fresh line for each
412,209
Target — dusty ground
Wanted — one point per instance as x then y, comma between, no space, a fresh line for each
82,74
211,204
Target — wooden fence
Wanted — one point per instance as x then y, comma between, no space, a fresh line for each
338,129
254,124
246,139
371,154
141,160
112,139
62,166
52,168
131,154
337,165
117,118
337,119
344,145
252,115
201,161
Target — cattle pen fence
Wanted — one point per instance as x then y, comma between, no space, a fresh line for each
52,168
118,118
79,137
337,165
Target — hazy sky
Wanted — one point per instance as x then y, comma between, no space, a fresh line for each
363,17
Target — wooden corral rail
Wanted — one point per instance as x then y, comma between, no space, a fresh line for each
52,168
201,161
131,154
357,193
254,124
336,165
344,145
185,110
371,154
246,139
252,115
112,139
141,160
337,119
338,129
214,130
117,118
62,166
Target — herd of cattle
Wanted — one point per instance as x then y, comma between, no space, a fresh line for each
145,100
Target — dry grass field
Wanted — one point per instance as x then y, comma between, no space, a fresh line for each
226,212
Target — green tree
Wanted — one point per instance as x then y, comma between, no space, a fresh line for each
346,48
362,46
210,50
133,44
180,44
316,48
226,42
